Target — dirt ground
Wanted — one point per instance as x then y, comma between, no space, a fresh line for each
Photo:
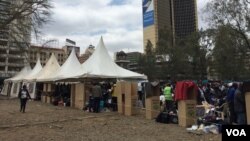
45,122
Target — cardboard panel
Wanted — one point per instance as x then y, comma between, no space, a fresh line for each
152,107
134,89
79,96
247,100
48,99
44,87
49,87
187,112
118,90
44,99
72,95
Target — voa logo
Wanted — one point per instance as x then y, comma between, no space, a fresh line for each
236,132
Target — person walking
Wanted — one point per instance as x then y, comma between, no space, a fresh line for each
23,95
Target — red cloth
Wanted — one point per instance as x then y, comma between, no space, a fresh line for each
183,89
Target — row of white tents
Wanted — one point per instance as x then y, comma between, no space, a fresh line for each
99,65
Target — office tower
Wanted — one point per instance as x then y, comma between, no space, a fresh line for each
178,16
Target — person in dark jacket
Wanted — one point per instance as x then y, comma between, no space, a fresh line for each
239,106
23,95
97,93
230,101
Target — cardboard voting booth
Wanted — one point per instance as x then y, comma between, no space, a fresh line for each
187,112
247,99
126,97
78,95
152,107
185,94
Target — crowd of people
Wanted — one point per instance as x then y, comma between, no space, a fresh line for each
102,98
224,97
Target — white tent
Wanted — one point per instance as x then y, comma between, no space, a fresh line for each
69,69
17,79
28,80
31,76
20,76
5,88
50,67
101,65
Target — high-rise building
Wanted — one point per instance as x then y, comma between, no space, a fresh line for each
178,16
185,17
13,42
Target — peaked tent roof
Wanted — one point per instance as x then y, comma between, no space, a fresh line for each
69,69
19,76
101,65
50,67
31,76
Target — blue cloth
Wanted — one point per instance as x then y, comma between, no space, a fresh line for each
241,118
101,105
230,94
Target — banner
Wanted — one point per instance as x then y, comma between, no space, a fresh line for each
148,12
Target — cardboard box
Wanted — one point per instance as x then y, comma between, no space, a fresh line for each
187,112
152,107
247,100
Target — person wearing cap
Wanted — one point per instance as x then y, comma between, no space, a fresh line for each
23,95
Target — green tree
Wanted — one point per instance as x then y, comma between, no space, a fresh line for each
173,56
23,17
147,62
229,54
231,13
196,55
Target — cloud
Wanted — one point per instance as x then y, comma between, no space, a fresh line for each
200,10
85,21
118,21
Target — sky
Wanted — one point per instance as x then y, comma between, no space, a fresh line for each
119,22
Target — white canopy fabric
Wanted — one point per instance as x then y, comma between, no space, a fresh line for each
31,76
20,76
101,65
69,69
50,67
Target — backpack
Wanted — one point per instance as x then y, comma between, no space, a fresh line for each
163,117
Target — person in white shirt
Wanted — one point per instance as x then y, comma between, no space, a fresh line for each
162,101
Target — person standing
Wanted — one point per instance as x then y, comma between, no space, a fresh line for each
230,101
114,98
23,95
97,93
162,102
168,97
239,106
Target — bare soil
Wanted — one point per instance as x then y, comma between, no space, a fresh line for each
45,122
